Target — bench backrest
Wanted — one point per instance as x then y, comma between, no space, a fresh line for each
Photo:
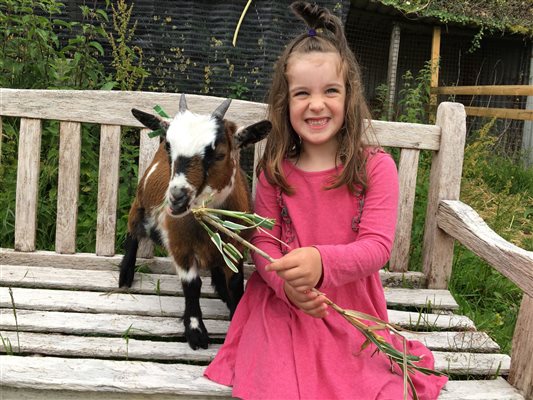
112,110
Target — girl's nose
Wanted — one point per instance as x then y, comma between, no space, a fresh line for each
316,103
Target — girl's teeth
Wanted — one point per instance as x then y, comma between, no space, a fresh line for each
317,122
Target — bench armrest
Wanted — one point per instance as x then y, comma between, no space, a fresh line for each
466,226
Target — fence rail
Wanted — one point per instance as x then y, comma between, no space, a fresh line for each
491,90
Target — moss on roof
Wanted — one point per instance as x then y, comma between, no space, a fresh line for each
511,16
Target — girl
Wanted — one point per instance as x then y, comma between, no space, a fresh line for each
335,203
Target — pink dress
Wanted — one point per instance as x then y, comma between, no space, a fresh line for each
275,351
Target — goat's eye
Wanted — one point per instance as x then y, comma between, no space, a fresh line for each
220,157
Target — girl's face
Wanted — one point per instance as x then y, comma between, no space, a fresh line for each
317,94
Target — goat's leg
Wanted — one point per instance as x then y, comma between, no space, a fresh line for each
229,285
195,330
127,265
236,289
131,245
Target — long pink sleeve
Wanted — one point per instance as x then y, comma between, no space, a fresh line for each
266,205
344,263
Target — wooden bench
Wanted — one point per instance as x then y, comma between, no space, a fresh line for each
71,337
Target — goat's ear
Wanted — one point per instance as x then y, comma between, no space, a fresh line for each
150,121
253,133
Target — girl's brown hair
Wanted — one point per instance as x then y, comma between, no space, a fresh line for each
325,34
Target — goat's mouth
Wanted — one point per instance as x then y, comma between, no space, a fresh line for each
178,213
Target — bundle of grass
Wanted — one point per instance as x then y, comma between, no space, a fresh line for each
214,221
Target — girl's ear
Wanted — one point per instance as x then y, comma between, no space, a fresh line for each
151,121
252,134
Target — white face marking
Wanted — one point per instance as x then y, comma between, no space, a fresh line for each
194,324
154,167
189,134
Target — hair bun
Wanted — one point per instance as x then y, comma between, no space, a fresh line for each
315,17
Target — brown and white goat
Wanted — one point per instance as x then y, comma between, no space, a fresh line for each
197,160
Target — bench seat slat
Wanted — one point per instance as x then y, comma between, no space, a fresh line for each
146,349
101,324
457,363
54,373
58,278
117,324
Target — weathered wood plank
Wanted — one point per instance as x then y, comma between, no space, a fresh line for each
467,341
55,373
68,186
28,166
107,281
95,302
160,265
444,183
101,324
407,173
475,364
120,348
497,389
37,320
108,189
521,374
147,149
105,347
134,349
94,106
82,261
464,224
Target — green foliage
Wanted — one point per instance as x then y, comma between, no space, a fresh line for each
127,60
414,96
32,55
491,16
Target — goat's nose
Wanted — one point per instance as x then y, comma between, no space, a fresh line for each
177,197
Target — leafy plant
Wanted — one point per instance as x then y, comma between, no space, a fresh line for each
414,96
33,55
127,59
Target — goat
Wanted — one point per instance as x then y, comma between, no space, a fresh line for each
197,161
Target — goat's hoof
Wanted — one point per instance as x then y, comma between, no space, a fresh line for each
197,337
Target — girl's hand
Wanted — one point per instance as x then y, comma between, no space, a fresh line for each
301,268
309,302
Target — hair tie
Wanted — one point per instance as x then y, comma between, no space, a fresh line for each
312,32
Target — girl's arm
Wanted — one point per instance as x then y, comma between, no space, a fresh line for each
346,263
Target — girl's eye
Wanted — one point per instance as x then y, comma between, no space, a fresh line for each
300,93
332,90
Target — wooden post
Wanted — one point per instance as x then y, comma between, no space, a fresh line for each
28,168
527,134
108,177
521,373
68,186
435,56
392,70
444,184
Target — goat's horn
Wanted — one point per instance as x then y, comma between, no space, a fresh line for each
221,109
183,104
